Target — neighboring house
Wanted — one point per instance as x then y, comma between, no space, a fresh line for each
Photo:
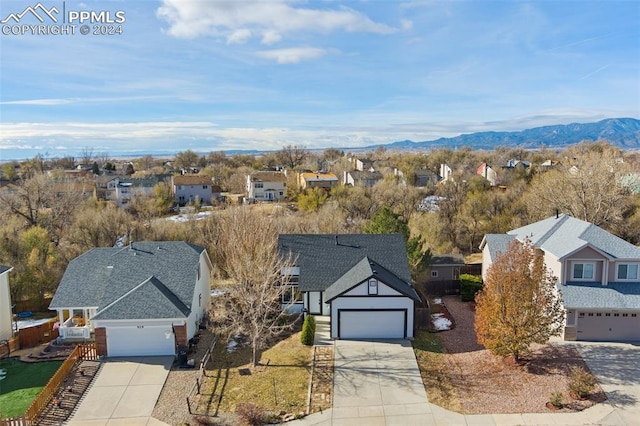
189,188
597,272
446,268
121,190
487,172
266,186
445,172
6,314
425,178
147,298
320,179
361,178
362,164
361,281
512,164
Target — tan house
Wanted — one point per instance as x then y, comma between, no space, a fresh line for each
320,179
266,186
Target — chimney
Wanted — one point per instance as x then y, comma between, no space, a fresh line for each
557,214
337,240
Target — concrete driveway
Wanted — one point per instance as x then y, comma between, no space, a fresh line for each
124,392
377,383
617,368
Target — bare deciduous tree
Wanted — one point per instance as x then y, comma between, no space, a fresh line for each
292,156
251,304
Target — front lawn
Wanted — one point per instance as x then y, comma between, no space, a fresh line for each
22,383
433,369
279,383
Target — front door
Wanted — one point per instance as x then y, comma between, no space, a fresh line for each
315,302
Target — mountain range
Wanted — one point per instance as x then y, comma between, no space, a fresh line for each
620,132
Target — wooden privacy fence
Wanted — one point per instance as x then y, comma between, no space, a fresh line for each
37,334
442,287
82,352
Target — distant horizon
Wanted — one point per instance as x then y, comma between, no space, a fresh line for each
171,75
160,153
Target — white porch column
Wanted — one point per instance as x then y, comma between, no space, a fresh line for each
605,272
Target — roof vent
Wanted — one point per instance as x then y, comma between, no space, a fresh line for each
109,266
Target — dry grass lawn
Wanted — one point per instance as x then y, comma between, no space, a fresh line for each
280,383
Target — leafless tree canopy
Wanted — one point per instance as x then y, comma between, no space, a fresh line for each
251,304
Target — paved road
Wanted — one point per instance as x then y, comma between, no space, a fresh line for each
124,393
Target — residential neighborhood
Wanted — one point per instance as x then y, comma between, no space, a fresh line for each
384,266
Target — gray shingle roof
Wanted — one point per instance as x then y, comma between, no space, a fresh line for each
597,296
147,280
563,235
454,260
325,258
364,270
4,269
497,243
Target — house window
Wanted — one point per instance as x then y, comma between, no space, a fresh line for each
628,271
259,185
291,294
607,315
598,314
373,286
583,271
634,315
179,187
434,274
205,186
590,314
625,315
616,315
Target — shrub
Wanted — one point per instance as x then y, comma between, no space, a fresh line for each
250,413
308,330
581,382
556,399
469,286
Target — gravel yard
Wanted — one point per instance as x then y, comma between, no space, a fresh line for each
486,384
172,407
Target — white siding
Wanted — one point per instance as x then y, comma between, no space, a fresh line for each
5,308
363,290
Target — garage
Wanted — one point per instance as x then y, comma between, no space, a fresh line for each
372,324
608,326
140,340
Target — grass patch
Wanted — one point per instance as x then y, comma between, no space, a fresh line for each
22,383
280,383
431,358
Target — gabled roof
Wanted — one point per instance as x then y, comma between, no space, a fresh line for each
360,175
361,272
139,281
192,180
268,177
596,296
497,243
4,269
319,176
451,260
324,258
563,235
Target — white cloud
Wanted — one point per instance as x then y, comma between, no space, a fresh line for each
193,18
406,24
271,37
292,55
239,37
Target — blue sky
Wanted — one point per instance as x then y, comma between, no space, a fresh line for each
223,75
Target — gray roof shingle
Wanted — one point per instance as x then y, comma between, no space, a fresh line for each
361,272
563,235
597,296
4,269
451,260
325,258
144,280
498,244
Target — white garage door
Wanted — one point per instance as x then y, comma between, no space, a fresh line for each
134,341
372,324
608,326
